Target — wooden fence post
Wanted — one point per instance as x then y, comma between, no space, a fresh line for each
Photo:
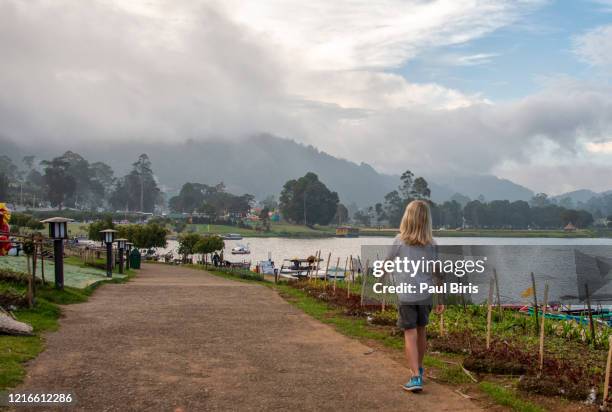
489,312
364,276
30,289
499,306
349,283
345,277
535,300
327,267
607,379
542,327
42,263
591,324
336,272
317,267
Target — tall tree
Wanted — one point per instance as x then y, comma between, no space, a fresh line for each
103,178
342,214
307,200
59,182
409,189
138,190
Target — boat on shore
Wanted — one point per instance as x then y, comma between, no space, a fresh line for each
298,268
232,236
241,250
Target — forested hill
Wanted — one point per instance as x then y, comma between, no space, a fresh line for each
260,166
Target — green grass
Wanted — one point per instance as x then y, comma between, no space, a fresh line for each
15,350
507,397
277,230
233,274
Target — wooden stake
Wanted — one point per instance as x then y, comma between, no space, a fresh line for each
34,267
442,332
30,294
350,280
317,267
327,266
499,306
364,276
591,324
489,312
344,272
42,263
542,326
336,272
535,300
607,380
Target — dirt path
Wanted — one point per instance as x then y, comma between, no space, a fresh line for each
179,338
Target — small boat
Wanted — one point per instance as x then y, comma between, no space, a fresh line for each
241,250
266,267
238,265
296,268
233,236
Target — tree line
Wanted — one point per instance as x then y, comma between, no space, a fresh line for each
539,213
71,181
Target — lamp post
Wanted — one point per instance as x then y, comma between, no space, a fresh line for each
121,247
128,246
58,231
109,237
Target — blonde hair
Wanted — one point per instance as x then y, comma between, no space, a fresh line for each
415,228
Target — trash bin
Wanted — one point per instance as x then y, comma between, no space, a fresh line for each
134,259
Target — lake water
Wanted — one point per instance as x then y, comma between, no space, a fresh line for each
551,259
284,248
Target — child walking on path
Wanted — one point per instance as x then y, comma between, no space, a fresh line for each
415,242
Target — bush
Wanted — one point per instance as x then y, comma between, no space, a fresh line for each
93,232
19,220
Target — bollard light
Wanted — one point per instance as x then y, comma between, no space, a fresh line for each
58,231
121,250
128,246
109,237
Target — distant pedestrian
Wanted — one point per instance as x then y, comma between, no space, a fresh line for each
216,259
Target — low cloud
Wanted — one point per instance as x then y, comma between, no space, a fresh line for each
321,73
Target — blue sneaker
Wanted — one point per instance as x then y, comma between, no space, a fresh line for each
415,384
421,373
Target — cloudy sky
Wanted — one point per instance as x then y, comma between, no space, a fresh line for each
517,88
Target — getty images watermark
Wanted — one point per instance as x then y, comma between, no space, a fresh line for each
424,276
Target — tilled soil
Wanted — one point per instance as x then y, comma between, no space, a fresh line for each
180,339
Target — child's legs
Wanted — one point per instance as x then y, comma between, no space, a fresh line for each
421,343
412,350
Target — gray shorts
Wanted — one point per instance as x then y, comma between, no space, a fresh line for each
411,316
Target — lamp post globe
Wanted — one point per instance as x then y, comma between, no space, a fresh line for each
58,231
121,250
128,250
109,236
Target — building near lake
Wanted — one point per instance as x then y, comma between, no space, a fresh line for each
347,231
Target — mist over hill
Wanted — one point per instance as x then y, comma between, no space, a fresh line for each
260,165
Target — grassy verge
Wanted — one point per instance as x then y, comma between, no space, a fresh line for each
276,230
448,372
44,316
507,397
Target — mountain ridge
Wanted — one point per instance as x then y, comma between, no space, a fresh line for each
261,164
